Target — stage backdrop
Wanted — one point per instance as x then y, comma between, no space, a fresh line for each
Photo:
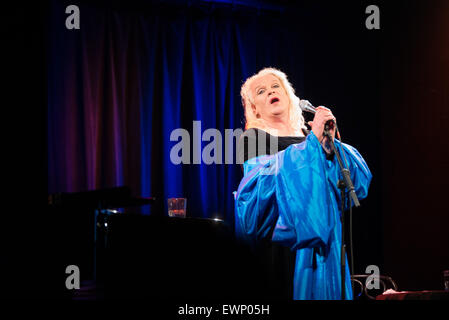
120,85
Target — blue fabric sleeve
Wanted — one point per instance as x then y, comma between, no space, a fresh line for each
291,196
360,174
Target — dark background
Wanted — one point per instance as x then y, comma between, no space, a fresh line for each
387,88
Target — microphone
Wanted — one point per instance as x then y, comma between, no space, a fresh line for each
306,106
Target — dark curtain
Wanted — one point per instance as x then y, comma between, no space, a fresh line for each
120,85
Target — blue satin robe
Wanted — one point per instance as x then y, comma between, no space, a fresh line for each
295,191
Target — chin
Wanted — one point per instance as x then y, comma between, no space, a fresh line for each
278,112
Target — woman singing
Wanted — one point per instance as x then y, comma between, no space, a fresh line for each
289,192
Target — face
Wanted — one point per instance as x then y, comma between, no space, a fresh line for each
270,98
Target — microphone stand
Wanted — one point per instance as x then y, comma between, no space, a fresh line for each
346,183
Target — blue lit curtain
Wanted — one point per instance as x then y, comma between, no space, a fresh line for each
119,86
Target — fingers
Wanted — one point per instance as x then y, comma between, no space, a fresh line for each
324,116
328,117
324,113
322,108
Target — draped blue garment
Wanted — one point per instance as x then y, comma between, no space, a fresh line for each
295,193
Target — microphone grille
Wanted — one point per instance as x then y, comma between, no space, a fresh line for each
305,105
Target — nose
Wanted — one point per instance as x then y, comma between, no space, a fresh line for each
271,91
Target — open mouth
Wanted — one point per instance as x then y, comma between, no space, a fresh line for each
273,100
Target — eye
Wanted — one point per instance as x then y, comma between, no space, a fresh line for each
276,85
261,91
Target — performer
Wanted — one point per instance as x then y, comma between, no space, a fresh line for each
289,192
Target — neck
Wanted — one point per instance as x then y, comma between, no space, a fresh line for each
280,126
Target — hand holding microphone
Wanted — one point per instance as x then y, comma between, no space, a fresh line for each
322,116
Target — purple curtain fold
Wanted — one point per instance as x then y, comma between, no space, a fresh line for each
119,86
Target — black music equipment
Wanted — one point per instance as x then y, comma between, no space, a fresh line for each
78,231
109,198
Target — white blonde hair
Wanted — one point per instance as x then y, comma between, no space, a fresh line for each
296,120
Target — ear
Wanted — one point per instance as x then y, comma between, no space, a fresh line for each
253,107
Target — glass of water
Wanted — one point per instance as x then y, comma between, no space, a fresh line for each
177,207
